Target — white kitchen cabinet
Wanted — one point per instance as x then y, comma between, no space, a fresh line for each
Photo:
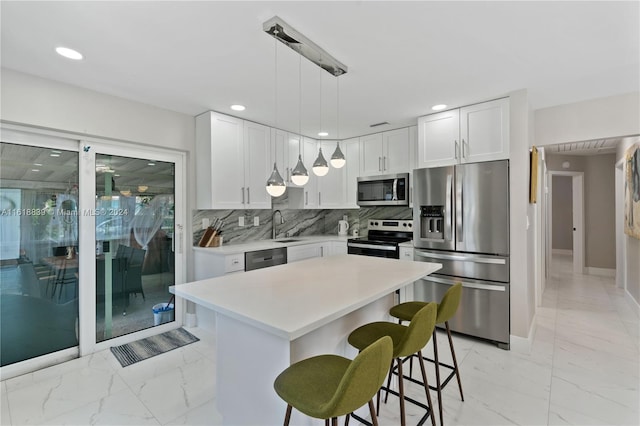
306,251
470,134
284,149
386,153
338,247
232,163
257,165
332,190
406,253
351,150
209,265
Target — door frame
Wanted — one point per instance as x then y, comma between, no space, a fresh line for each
577,179
26,135
621,241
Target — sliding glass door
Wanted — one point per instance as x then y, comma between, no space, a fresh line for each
39,252
135,263
90,241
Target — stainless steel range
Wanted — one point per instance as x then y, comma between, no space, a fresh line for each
383,238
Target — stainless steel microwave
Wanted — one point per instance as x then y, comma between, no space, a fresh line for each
386,190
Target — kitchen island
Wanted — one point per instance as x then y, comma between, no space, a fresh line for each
270,318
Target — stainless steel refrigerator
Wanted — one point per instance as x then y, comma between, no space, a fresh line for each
461,220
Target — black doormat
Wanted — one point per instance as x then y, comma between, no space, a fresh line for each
139,350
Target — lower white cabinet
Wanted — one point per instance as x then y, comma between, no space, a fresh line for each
209,265
306,251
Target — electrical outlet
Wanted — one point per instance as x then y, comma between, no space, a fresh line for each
256,221
240,220
205,222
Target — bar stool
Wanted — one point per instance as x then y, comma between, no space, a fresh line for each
446,309
329,386
407,340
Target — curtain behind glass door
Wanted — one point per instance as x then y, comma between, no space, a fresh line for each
134,213
38,251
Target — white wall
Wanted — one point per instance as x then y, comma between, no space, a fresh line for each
522,282
30,100
594,119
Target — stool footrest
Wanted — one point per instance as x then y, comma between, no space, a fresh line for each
360,419
413,401
419,382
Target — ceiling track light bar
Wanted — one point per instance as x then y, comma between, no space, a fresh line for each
286,34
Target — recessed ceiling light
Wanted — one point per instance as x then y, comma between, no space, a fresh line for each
151,164
238,107
323,134
438,107
35,170
53,154
37,164
69,53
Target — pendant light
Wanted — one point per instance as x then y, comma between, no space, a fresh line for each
300,175
320,166
337,159
275,184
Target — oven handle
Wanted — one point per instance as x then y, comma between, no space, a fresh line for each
475,259
465,284
371,246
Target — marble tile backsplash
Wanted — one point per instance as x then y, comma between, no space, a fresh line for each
296,222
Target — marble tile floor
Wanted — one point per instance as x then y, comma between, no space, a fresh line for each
582,369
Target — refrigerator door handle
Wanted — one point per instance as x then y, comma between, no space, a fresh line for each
459,205
465,284
449,210
476,259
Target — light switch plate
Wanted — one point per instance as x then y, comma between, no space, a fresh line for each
240,220
256,221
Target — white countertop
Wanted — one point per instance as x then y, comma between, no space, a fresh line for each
229,249
293,299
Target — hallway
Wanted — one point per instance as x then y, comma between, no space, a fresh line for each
582,369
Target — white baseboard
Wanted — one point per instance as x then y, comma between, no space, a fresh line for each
561,251
601,272
632,302
523,344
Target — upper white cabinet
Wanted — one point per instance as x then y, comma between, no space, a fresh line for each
351,150
466,135
233,162
332,187
387,152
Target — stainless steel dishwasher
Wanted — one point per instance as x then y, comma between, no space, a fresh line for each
264,258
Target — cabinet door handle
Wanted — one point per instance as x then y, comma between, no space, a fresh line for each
379,164
455,151
248,196
464,153
306,198
319,198
242,194
384,163
288,174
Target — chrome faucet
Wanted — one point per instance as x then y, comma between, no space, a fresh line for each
273,223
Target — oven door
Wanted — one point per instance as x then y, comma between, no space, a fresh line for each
390,251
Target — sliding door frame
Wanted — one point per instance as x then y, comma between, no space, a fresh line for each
87,147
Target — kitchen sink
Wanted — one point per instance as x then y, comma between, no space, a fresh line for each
291,240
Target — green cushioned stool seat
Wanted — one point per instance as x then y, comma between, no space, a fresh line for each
407,340
447,308
330,386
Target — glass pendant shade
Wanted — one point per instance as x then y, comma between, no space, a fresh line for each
275,184
337,159
300,175
320,166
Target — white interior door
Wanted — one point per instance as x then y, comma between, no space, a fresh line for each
578,223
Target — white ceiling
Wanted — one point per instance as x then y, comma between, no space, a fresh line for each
403,57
